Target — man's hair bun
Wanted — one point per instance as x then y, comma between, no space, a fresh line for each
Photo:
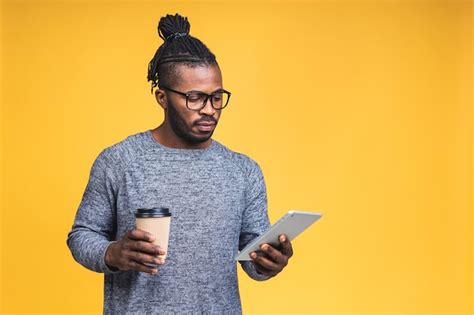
179,48
173,26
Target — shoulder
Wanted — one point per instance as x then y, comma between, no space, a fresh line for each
243,162
120,154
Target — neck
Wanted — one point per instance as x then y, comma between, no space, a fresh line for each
165,136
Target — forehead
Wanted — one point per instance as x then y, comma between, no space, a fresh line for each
205,78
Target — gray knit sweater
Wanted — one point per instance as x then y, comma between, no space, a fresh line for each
218,202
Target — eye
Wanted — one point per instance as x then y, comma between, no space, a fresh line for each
217,96
195,97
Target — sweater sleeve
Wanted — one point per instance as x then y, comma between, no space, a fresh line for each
255,219
93,228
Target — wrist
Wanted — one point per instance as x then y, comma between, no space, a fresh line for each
109,257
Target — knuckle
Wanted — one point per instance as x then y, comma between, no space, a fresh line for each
136,256
138,245
125,245
126,253
143,246
140,257
148,247
134,233
144,258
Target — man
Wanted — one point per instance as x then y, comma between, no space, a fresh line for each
217,198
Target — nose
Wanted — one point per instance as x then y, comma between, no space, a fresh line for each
208,109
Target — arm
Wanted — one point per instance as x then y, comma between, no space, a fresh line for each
94,225
255,219
92,238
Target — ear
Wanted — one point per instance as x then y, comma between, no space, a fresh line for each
161,98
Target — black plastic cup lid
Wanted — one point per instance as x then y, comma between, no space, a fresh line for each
153,213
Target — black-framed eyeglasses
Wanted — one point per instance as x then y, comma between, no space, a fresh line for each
196,100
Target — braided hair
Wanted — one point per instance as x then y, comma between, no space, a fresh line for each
178,48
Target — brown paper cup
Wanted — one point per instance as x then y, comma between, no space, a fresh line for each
156,221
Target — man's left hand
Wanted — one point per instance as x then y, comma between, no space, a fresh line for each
269,260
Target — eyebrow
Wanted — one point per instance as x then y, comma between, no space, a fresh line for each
219,89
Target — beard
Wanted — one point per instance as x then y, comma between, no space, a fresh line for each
178,124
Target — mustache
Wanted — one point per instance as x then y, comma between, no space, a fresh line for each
206,119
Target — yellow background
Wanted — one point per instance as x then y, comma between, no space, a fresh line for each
358,109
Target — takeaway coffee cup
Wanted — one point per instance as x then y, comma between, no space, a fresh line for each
155,221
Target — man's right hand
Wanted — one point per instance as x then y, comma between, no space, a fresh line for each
134,250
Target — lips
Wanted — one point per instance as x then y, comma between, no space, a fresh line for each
205,126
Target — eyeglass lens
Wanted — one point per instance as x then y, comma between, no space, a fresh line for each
197,100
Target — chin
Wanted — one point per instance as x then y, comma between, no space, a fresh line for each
195,139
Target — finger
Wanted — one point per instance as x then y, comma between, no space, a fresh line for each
266,263
140,235
264,271
274,254
258,267
144,247
286,247
142,268
143,258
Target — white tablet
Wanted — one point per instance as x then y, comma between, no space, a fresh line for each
291,224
